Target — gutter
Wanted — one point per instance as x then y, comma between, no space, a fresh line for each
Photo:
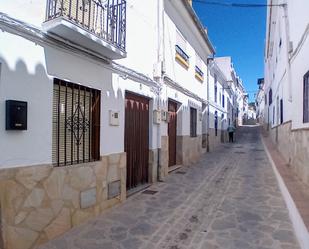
199,25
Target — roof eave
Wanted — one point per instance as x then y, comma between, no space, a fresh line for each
199,25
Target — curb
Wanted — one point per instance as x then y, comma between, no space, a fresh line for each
300,229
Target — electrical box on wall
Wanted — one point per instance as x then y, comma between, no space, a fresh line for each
114,118
157,116
201,116
157,70
16,115
164,115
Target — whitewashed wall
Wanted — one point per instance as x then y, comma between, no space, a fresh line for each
27,73
287,84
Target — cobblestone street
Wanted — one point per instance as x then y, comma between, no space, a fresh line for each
229,200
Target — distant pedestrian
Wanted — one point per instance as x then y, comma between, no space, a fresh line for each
231,129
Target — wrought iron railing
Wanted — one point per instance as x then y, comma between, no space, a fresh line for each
104,18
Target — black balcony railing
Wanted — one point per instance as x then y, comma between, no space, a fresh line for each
104,18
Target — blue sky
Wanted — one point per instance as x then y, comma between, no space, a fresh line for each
240,33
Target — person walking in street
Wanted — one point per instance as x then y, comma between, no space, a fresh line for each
231,129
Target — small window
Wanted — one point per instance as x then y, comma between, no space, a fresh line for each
76,124
199,74
273,114
181,54
193,122
216,123
270,97
216,89
223,100
306,98
281,111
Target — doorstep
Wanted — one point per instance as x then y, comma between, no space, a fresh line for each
295,192
173,168
137,189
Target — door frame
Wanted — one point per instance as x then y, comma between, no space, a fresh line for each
176,103
146,167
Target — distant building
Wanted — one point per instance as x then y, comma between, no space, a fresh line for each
260,102
238,92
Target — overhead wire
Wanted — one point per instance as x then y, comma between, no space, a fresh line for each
239,5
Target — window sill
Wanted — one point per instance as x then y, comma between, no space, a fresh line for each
182,61
199,77
77,164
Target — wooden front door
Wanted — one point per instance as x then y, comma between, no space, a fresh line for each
172,133
136,139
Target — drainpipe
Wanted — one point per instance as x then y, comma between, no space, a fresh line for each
288,49
209,60
160,59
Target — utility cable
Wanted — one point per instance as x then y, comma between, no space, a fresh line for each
239,5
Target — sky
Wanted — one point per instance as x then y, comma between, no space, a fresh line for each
239,33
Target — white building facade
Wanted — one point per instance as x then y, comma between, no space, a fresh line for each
98,100
286,82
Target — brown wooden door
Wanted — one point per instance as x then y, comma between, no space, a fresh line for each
136,139
172,133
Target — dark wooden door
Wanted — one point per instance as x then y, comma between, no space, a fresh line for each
172,133
136,139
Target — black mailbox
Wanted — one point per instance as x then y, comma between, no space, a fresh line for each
16,115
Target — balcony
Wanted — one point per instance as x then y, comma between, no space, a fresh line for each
98,25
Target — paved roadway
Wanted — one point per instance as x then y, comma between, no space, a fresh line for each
229,200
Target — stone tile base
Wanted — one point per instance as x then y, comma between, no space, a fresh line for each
153,165
294,146
39,203
214,140
189,149
163,164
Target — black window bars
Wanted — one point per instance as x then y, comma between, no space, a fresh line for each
76,124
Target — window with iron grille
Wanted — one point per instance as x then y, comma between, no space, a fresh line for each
306,98
270,97
216,88
281,111
76,124
216,123
223,100
193,122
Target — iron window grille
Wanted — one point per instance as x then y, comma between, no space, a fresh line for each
306,98
193,122
216,123
223,100
216,92
281,111
104,18
270,97
76,124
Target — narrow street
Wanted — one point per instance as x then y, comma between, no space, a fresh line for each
230,199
